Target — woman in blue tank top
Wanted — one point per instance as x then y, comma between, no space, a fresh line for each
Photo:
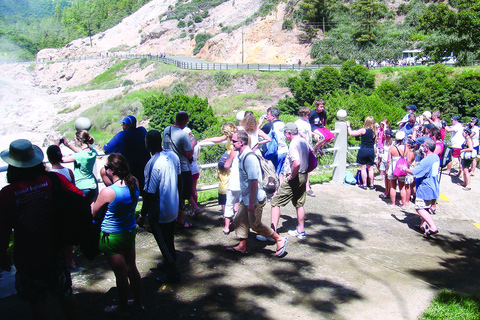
117,239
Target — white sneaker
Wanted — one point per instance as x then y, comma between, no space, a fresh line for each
264,239
299,235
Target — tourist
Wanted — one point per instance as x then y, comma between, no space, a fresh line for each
366,154
305,131
467,154
456,140
118,231
318,122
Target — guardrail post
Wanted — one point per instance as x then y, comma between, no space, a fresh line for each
340,153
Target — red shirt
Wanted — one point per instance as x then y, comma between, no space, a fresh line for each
26,207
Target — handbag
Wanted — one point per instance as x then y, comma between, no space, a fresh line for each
401,163
468,155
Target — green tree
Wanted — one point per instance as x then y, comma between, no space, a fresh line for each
367,13
450,30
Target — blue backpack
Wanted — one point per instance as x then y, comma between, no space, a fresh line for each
270,149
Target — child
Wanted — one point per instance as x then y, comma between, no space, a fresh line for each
196,210
222,175
318,121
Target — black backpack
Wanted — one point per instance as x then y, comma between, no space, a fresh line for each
73,220
446,157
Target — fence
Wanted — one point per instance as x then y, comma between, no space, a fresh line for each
339,165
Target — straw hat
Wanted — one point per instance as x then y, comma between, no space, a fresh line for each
22,154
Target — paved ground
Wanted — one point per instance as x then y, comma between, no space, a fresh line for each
362,260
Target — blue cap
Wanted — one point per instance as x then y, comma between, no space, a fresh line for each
129,120
456,118
412,107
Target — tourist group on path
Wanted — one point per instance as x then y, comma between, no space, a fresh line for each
263,162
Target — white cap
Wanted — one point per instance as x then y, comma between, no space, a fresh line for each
240,115
400,135
427,114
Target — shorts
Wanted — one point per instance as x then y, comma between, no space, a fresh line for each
34,288
279,162
187,184
294,190
423,204
233,196
383,165
222,199
366,156
116,243
466,163
456,152
327,134
90,194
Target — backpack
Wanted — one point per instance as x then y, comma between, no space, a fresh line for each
446,156
350,178
270,149
73,219
270,181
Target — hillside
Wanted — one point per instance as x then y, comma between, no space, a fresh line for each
143,33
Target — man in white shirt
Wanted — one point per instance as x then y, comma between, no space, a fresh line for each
252,199
457,139
305,131
294,187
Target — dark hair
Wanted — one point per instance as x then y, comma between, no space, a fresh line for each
153,141
84,137
467,131
15,174
118,164
181,116
54,154
436,133
430,144
274,112
242,135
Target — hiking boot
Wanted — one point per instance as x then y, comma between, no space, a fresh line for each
299,235
264,239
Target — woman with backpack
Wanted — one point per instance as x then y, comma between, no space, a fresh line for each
117,239
467,154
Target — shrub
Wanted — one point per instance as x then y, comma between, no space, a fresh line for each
205,14
179,88
200,40
181,24
127,82
222,78
287,24
191,35
190,23
162,108
197,18
182,35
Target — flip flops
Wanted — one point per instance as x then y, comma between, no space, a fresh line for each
184,225
283,249
236,251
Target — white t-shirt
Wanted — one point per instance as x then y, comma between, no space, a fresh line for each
194,165
305,130
249,169
164,179
475,141
234,179
282,144
457,138
298,151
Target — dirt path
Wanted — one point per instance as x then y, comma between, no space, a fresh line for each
362,260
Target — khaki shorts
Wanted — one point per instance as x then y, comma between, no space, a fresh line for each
294,191
423,204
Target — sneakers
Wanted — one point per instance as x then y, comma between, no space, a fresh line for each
264,239
310,193
299,235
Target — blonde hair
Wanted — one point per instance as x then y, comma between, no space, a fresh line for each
304,111
249,123
369,124
228,128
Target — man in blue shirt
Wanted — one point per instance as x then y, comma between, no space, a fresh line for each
131,144
428,190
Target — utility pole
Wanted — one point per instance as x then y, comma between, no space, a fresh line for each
242,44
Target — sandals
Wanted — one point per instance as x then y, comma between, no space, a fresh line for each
283,249
429,233
382,196
362,187
184,225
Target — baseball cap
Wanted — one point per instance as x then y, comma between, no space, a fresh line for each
129,120
290,126
412,107
400,135
456,118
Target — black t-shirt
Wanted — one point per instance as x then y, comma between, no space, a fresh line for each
318,120
268,126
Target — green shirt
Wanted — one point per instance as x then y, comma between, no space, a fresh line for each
83,169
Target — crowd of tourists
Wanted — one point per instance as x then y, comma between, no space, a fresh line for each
258,166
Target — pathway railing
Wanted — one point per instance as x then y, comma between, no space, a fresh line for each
340,151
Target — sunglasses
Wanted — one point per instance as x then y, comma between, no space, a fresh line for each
107,167
234,141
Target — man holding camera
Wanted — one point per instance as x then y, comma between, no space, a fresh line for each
175,138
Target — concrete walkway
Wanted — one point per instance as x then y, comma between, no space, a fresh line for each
362,260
